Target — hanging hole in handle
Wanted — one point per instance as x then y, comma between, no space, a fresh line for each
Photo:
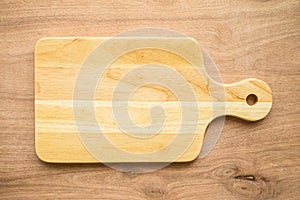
251,99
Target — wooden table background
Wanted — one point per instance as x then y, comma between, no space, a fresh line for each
246,38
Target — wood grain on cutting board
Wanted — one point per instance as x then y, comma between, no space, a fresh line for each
245,38
58,62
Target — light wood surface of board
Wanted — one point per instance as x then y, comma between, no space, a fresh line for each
58,61
246,38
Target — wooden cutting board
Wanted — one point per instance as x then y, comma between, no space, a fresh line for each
57,64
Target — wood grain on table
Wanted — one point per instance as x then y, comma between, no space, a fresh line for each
257,160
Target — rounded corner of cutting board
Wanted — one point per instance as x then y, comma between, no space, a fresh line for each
191,155
37,43
41,156
189,159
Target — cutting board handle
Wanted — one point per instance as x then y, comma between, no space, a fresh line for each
249,99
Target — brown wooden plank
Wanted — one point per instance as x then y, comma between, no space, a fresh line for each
245,38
